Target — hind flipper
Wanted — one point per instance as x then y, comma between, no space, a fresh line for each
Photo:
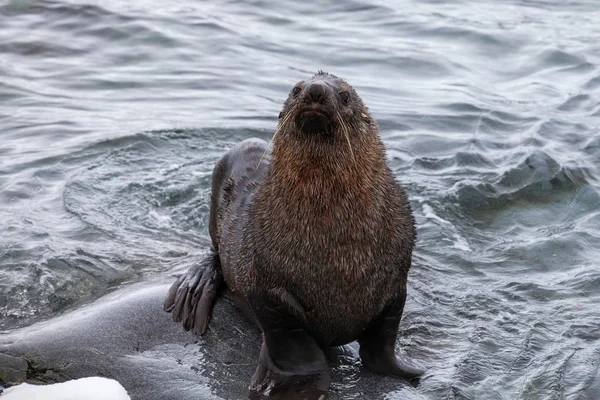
192,296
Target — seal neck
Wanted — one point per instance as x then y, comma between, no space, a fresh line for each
325,175
325,202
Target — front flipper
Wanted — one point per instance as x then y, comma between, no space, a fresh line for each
291,364
378,341
192,296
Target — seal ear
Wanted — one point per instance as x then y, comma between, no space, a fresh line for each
280,114
365,118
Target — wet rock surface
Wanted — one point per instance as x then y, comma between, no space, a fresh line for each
126,336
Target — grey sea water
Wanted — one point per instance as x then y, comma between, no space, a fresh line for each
112,114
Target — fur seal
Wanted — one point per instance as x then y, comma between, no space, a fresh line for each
314,240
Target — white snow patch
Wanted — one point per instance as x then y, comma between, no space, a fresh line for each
93,388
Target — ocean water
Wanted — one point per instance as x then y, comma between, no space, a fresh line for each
113,113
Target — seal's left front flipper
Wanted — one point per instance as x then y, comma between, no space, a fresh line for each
192,296
378,342
291,366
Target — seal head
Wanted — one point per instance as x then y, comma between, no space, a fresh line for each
321,105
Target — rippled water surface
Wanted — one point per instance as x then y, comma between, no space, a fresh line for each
112,114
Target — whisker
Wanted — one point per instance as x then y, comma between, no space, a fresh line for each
345,130
279,127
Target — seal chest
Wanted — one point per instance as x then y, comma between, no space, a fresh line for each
324,237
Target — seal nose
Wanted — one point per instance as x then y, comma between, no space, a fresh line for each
317,92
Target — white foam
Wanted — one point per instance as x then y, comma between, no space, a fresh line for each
459,241
93,388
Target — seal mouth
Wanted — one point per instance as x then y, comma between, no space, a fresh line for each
313,120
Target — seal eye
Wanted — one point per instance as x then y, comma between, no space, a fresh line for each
345,96
296,90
